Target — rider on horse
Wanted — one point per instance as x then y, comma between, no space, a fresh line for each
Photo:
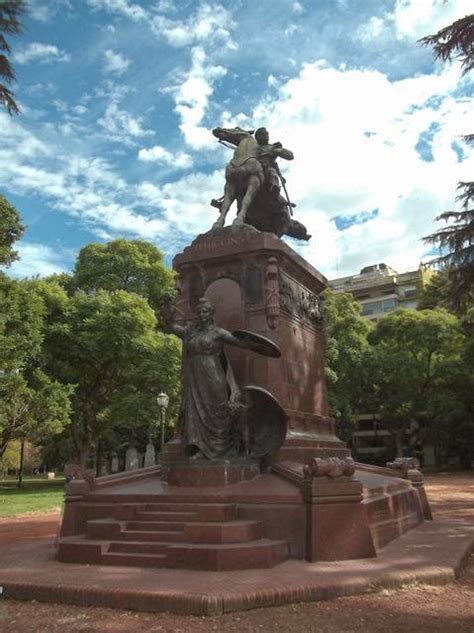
253,179
267,155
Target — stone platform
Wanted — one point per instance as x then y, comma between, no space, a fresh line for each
138,520
432,553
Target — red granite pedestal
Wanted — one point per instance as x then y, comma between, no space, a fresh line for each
216,517
257,282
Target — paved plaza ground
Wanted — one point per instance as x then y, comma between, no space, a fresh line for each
428,608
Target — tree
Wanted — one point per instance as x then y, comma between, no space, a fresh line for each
31,404
439,292
11,229
106,345
346,352
131,265
456,41
414,352
457,241
10,12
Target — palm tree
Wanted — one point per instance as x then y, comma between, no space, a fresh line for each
10,11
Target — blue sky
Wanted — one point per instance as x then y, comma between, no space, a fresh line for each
119,98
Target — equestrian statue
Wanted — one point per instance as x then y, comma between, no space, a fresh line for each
254,180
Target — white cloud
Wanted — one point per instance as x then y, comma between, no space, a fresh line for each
354,134
39,12
192,98
159,154
210,24
38,259
133,11
44,53
121,125
298,8
84,187
115,62
414,19
185,202
375,28
44,12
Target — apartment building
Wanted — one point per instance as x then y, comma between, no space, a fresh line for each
380,289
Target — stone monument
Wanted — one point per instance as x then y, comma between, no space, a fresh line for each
255,473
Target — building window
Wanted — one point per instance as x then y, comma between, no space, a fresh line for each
374,307
389,305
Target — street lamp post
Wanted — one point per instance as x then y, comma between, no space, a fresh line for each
163,401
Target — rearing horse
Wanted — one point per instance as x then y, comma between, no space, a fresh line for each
244,174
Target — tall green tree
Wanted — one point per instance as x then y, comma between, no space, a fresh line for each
347,350
31,404
456,241
131,265
106,345
10,14
414,352
11,229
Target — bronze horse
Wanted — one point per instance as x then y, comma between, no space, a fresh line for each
245,183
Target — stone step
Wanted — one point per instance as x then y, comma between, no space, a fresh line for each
228,532
206,511
165,517
137,547
103,528
133,560
262,554
166,526
163,535
77,549
149,536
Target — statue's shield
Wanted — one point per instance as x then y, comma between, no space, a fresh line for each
258,343
266,422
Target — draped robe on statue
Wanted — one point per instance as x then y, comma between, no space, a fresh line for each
207,413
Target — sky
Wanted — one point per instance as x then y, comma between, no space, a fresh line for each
118,99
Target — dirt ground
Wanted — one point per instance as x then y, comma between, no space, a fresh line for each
423,609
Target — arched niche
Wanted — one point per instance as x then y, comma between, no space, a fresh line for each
226,296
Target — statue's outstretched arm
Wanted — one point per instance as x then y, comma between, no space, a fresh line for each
284,153
230,339
168,317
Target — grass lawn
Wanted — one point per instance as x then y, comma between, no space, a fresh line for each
38,494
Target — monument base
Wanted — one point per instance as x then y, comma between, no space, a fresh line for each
252,523
200,474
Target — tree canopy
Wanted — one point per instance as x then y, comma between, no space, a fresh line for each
347,349
32,405
456,241
103,336
11,229
131,265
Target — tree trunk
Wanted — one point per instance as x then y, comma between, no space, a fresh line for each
20,470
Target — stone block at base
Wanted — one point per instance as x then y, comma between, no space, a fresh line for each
210,474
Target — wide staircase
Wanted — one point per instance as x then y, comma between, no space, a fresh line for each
204,535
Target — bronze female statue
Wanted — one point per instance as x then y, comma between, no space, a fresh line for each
211,405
